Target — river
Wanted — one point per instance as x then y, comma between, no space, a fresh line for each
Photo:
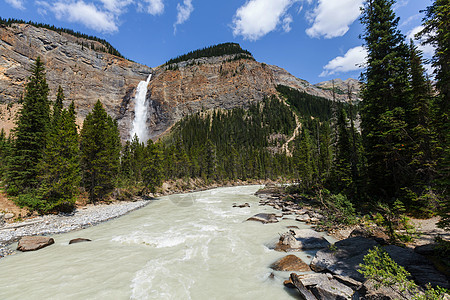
190,246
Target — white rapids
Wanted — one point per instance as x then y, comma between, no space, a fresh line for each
190,246
141,111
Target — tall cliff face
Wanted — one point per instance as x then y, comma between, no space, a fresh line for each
217,82
84,74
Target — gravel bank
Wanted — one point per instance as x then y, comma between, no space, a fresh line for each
54,224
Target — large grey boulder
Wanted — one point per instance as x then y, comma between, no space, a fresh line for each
322,286
301,239
344,258
33,243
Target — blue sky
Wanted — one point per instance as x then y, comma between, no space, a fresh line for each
315,40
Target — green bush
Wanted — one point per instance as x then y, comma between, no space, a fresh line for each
381,268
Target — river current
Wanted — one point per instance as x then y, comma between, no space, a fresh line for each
190,246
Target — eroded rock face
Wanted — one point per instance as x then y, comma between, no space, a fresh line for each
33,243
84,74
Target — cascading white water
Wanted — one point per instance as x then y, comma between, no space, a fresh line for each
140,112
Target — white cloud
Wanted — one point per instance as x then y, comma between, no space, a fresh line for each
19,4
287,23
332,18
154,7
116,6
428,50
256,18
183,13
85,13
353,60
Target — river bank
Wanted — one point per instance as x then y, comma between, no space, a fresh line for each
335,266
86,215
82,217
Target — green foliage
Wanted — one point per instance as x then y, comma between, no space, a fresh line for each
152,173
106,46
100,153
307,105
30,134
5,148
60,168
232,144
436,33
385,99
380,267
216,50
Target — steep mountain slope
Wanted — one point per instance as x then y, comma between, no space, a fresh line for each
84,74
176,90
224,82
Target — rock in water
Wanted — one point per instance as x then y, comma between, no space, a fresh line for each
32,243
304,292
264,218
290,263
301,239
79,240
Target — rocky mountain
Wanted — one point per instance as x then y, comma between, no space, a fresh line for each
341,88
85,75
174,91
217,82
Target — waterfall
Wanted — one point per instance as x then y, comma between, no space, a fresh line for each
140,112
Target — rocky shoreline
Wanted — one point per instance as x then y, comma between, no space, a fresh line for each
332,273
54,224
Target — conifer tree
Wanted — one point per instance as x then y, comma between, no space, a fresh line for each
436,32
30,134
152,173
423,144
342,165
60,168
100,153
385,98
4,153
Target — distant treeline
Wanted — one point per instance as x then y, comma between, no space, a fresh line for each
108,48
216,50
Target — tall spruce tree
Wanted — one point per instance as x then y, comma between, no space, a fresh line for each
30,134
60,168
385,98
100,153
436,32
152,173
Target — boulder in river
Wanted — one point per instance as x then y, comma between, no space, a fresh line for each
322,286
301,239
79,240
344,258
290,263
32,243
241,205
264,218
